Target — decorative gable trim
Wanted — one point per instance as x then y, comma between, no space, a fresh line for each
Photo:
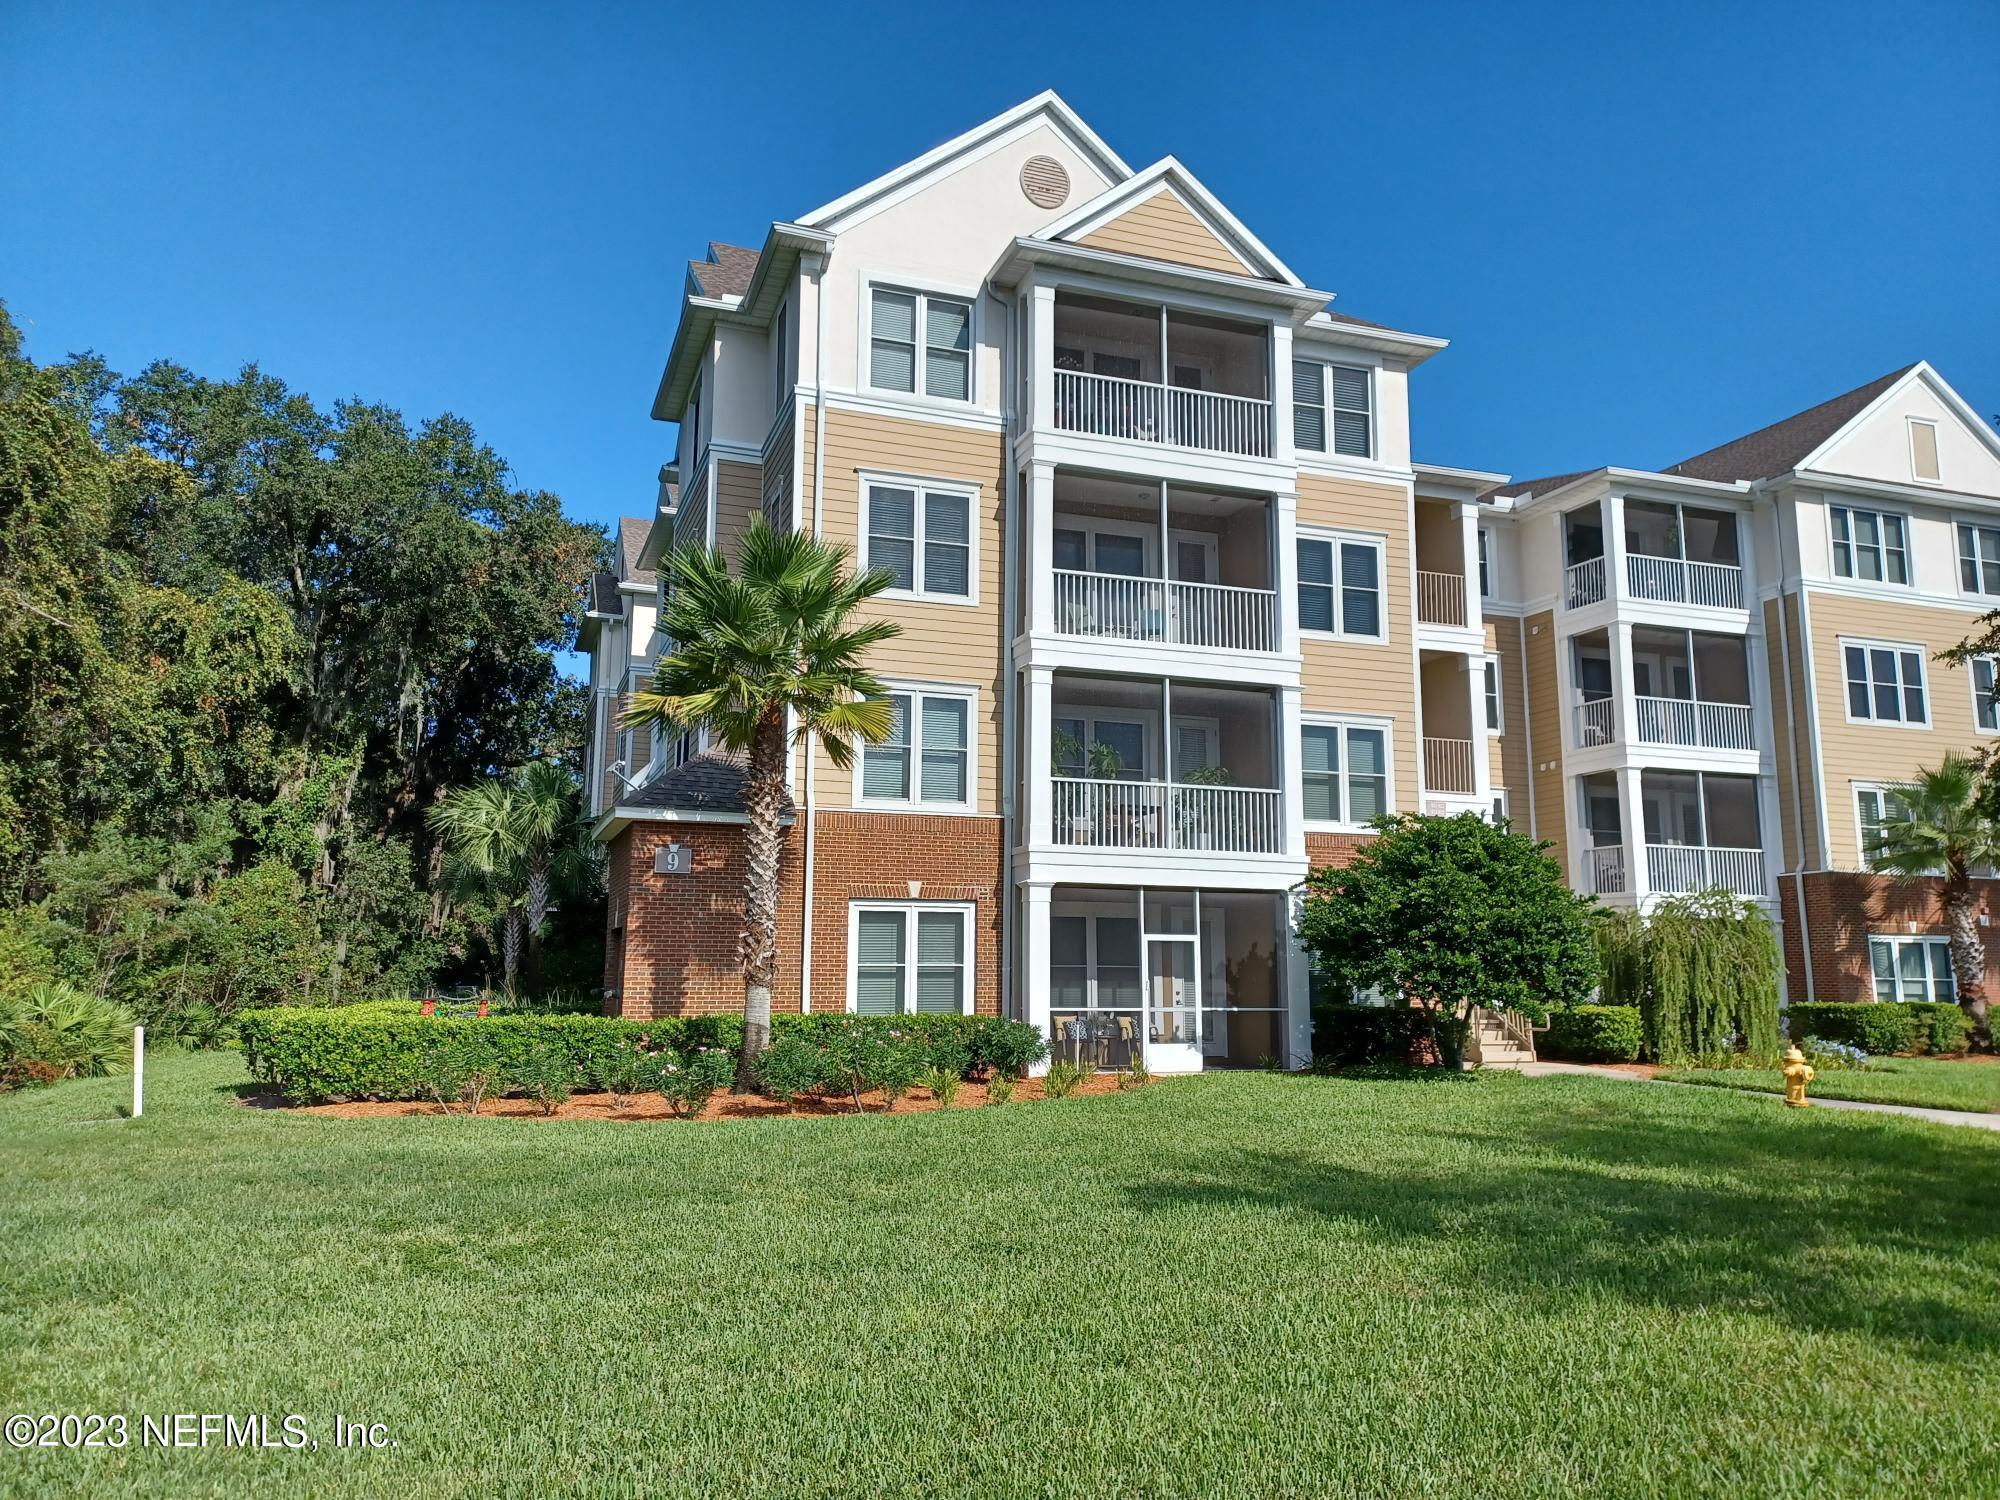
1938,386
1169,175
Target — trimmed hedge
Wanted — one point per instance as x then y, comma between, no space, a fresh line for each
1594,1033
1345,1036
382,1050
1882,1026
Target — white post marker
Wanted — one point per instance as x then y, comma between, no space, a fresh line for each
138,1071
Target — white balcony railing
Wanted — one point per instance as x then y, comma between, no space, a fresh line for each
1680,868
1114,407
1123,608
1682,721
1596,724
1604,869
1672,581
1448,766
1583,583
1167,815
1440,598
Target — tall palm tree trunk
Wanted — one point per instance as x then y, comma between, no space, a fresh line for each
764,801
538,913
510,946
1968,954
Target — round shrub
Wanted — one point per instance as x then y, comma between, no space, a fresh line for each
1594,1033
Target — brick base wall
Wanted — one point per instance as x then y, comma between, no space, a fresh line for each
1843,910
1334,849
675,951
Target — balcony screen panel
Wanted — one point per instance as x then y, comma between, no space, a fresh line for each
1070,546
1710,536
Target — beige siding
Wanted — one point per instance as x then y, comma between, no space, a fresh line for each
1510,747
947,643
739,495
778,479
1342,678
1545,709
1164,228
1876,752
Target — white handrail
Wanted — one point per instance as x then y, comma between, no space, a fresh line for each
1606,866
1674,581
1686,721
1440,597
1681,868
1448,766
1120,607
1106,814
1583,583
1113,406
1596,723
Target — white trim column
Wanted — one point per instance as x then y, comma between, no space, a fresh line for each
1467,512
1285,567
1291,772
1281,393
1298,990
1035,961
1632,828
1035,776
1041,547
1612,511
1042,352
1474,670
1624,699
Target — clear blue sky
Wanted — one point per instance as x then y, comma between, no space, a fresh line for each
1644,232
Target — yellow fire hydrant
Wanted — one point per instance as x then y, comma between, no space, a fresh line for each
1798,1073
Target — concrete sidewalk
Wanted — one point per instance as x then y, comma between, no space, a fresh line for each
1972,1118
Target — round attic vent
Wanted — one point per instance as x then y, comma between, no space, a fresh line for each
1044,181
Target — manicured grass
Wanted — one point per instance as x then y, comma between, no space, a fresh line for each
1244,1285
1931,1082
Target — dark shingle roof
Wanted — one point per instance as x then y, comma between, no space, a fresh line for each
1526,488
1779,448
1341,317
711,782
726,272
604,595
631,542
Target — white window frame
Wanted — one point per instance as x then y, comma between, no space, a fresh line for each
1496,699
1344,723
1937,451
1972,668
968,963
1339,539
870,479
1974,524
916,692
1868,647
1318,366
1881,514
923,291
1499,809
1883,791
1367,374
1933,943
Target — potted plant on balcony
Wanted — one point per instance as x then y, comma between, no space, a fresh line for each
1224,826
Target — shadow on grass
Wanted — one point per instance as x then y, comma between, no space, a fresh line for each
1882,1230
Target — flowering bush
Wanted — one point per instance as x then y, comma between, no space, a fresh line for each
688,1080
1835,1057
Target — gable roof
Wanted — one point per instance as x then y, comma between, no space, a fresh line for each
1047,107
631,547
1527,489
1783,446
1167,175
709,782
727,272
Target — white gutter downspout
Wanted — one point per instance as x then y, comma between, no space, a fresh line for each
1792,738
1009,597
817,265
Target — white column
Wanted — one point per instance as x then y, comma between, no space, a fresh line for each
1468,543
1613,510
1042,350
1291,776
1624,700
1035,961
1298,1012
1474,672
1632,821
1041,579
1281,393
1041,757
1285,567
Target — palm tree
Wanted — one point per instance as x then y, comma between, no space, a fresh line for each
525,835
1942,824
772,644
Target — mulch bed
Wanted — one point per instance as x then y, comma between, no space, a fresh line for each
651,1107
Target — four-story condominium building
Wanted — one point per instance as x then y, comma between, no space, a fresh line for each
1181,616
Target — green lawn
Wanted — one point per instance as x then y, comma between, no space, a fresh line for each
1243,1285
1931,1082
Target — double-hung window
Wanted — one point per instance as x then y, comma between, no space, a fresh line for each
1874,805
1978,559
1494,724
1871,545
911,956
926,758
1912,968
1353,422
1985,707
920,343
1309,405
1344,772
921,537
1885,683
1340,586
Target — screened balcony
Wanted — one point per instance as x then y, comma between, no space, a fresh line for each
1164,765
1154,562
1701,831
1583,556
1682,554
1454,705
1442,566
1692,688
1159,375
1596,710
